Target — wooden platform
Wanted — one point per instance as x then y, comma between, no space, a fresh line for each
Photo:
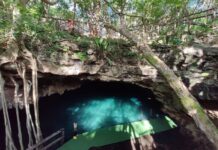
118,133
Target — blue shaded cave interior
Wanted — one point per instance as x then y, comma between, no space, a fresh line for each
97,105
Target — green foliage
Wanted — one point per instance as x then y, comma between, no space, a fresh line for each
53,48
175,41
82,56
145,14
61,12
101,44
83,42
130,54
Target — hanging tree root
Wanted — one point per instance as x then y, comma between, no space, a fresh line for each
8,138
28,55
21,69
35,97
16,100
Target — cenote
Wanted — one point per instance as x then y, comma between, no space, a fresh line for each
97,106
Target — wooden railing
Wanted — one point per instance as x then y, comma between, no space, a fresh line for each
56,139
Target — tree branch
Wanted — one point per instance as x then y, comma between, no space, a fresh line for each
121,13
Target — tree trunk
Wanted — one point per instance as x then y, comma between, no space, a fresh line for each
184,98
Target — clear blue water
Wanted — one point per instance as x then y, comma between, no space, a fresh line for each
103,111
96,105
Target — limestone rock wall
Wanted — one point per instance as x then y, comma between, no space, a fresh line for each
197,65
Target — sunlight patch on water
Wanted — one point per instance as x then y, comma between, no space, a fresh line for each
97,113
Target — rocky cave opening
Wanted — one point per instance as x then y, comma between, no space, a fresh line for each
97,105
100,105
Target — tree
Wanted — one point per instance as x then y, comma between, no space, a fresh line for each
153,21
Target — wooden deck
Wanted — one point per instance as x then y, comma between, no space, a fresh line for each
118,133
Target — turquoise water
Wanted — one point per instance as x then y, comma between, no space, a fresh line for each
103,111
97,105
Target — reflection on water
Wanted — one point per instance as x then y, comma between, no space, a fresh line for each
96,105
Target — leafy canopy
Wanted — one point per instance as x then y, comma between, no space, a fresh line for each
163,19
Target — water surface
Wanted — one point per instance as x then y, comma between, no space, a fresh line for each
97,105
